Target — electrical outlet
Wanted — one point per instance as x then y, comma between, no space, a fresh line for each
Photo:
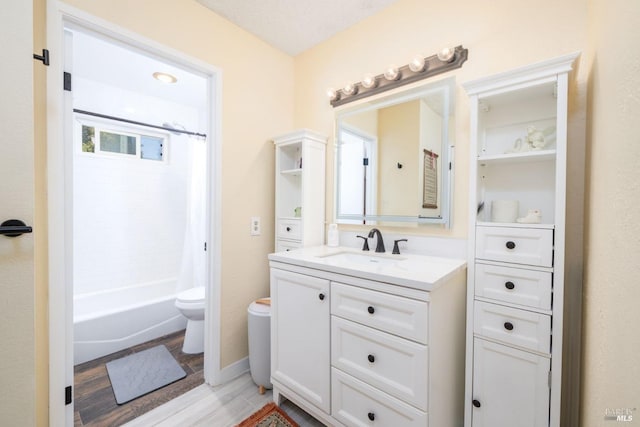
255,226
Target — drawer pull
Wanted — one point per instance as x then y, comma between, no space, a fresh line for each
509,285
371,416
508,326
511,245
476,403
371,310
321,296
288,228
371,358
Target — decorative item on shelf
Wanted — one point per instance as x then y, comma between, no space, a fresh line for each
534,140
297,212
504,210
534,216
419,68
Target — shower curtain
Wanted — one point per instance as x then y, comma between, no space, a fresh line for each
193,267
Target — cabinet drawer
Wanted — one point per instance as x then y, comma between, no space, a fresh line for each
514,285
287,245
356,403
390,313
393,364
513,326
532,246
289,229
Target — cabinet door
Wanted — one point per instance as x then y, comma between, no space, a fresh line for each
510,387
300,326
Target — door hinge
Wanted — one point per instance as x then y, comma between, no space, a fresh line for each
44,57
66,81
205,246
549,380
68,395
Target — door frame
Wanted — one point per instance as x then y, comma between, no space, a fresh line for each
59,176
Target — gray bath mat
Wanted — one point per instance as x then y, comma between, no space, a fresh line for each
140,373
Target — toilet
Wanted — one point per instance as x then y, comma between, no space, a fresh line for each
191,304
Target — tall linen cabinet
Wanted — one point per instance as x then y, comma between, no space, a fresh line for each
300,188
524,286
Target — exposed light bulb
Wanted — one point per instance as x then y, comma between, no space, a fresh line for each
164,77
350,89
417,64
332,94
392,73
447,54
369,81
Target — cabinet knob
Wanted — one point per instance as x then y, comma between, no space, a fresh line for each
511,245
288,228
371,416
476,403
509,285
508,326
321,296
371,310
371,358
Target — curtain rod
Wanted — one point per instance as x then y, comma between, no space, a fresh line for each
133,122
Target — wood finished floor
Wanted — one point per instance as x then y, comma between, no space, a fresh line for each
94,401
186,403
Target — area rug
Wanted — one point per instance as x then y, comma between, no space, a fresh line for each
269,416
143,372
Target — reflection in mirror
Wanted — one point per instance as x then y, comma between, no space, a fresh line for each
393,157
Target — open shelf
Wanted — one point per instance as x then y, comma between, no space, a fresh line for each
527,156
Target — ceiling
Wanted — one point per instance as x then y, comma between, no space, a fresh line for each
294,26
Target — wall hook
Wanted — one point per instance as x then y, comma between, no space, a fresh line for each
399,165
44,57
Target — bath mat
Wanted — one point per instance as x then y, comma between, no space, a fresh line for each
143,372
269,416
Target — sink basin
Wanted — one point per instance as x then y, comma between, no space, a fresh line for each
362,258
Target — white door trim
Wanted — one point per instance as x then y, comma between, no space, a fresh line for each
59,198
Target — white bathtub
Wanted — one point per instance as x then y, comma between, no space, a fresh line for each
108,321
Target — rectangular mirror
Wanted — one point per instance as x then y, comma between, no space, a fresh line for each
393,158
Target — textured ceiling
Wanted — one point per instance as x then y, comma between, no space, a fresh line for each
294,26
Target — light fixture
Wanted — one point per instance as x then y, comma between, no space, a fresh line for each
447,54
419,68
369,81
350,89
392,73
164,77
417,64
333,94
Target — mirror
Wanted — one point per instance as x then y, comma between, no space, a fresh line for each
393,158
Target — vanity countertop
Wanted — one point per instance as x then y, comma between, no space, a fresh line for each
413,271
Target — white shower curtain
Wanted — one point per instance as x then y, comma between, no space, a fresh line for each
193,268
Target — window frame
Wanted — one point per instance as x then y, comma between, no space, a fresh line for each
110,126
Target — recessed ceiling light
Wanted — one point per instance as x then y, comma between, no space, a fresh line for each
164,77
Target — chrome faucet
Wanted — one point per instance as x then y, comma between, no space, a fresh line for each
379,241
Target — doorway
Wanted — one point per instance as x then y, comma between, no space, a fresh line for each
148,140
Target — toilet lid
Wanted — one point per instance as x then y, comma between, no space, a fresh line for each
192,295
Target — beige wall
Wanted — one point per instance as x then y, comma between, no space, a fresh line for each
257,104
501,36
611,313
508,34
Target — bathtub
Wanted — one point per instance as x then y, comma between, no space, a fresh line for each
109,321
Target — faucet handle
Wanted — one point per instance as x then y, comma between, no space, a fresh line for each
396,249
365,247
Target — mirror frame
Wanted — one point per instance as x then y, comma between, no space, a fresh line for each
448,86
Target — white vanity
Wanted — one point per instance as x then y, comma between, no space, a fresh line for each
360,338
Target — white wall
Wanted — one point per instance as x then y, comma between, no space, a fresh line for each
129,213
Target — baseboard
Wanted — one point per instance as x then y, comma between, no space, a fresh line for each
234,370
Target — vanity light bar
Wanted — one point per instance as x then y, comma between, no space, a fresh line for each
445,60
